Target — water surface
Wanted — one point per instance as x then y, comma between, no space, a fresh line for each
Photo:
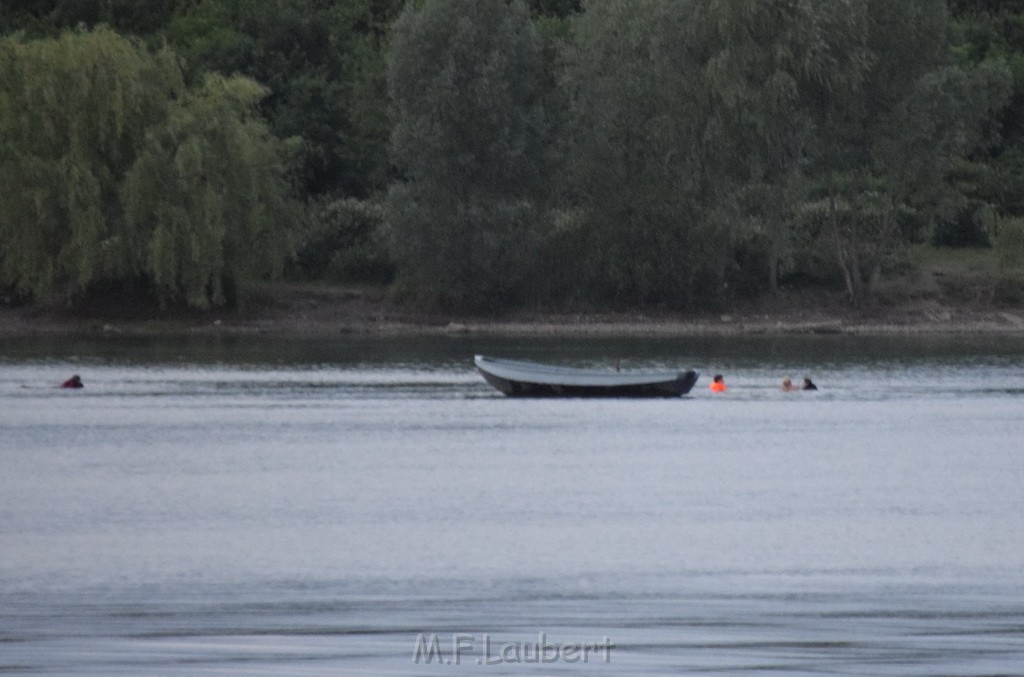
281,507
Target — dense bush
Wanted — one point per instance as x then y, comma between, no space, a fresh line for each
1010,243
970,226
344,242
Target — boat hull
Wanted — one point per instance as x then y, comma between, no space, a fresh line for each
520,379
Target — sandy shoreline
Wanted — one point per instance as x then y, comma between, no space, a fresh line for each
1002,323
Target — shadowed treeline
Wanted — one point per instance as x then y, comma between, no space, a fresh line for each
493,154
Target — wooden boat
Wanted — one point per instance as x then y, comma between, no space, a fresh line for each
528,379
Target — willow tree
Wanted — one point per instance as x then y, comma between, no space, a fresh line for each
83,118
73,113
465,79
209,189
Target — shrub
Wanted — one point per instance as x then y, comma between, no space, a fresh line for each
1010,243
969,227
345,242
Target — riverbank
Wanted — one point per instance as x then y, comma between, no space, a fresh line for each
321,311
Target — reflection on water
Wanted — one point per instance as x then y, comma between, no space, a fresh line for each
451,351
324,630
264,507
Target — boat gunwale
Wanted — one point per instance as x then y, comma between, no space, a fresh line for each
542,374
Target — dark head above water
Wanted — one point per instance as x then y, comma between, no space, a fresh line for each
73,382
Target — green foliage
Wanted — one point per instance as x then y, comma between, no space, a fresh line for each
73,113
472,255
1009,287
745,273
858,225
323,63
895,140
469,139
1010,244
554,8
640,145
989,31
209,188
50,17
768,62
345,242
116,171
702,143
969,227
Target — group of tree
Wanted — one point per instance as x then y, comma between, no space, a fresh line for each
490,153
702,145
115,170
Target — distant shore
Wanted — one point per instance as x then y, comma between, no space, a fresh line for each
314,311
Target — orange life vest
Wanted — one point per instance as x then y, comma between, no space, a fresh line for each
717,387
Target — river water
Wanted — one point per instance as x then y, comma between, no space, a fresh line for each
260,507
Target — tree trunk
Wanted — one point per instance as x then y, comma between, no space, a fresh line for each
885,239
847,263
776,235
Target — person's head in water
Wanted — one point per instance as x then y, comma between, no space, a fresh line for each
809,385
73,382
718,384
787,384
